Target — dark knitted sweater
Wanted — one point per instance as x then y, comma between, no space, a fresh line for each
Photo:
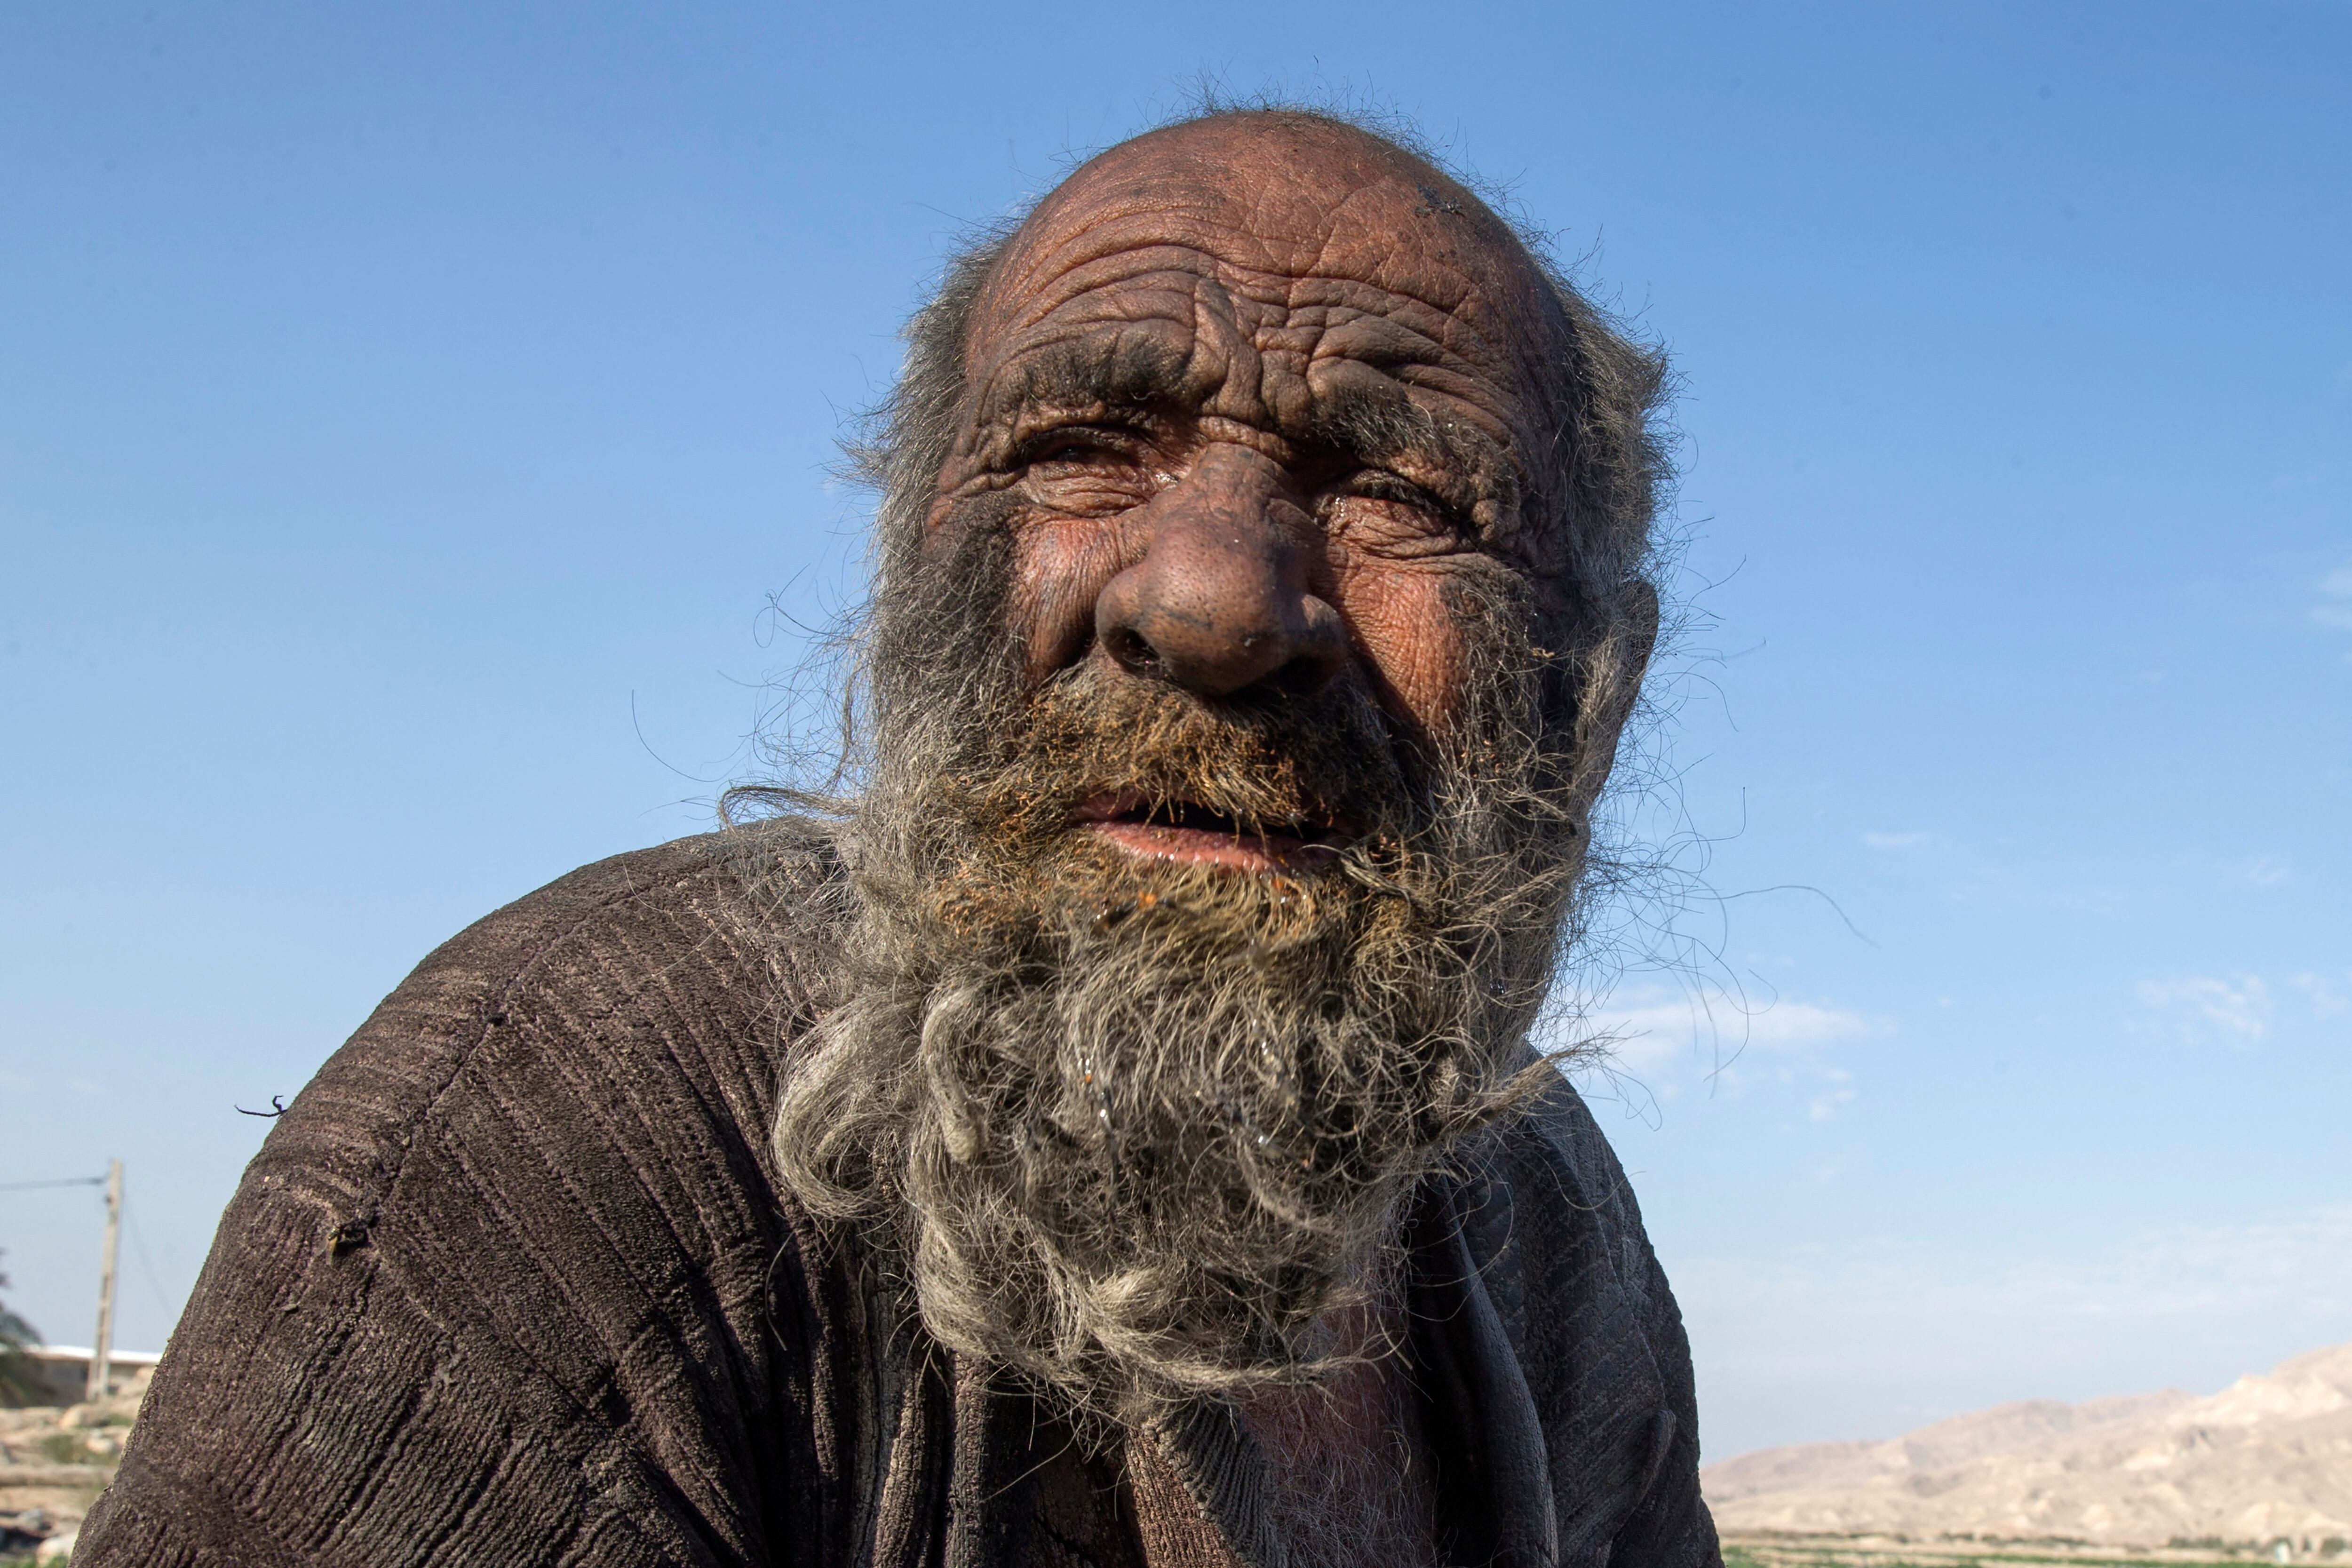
513,1282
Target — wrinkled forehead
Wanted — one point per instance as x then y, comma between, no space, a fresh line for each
1306,245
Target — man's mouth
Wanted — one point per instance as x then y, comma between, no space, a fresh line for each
1187,833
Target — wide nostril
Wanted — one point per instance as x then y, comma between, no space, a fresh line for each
1319,648
1303,677
1134,655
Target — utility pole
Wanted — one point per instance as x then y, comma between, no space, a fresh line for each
99,1347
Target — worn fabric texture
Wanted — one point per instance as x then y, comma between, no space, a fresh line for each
513,1282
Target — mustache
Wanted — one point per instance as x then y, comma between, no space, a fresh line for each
1091,743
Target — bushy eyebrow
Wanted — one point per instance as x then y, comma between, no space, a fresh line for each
1089,375
1376,424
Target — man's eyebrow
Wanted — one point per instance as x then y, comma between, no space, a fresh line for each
1382,424
1085,375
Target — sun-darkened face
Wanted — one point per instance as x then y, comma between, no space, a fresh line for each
1250,401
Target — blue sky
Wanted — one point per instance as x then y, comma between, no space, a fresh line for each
406,414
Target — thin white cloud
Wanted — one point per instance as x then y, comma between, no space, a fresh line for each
2265,872
1654,1037
2203,1009
1655,1030
1654,1045
1787,1023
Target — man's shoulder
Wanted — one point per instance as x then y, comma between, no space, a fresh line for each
692,962
773,885
1562,1149
599,1057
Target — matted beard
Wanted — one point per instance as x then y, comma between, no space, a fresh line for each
1131,1129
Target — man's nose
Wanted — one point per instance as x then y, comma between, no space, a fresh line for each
1220,601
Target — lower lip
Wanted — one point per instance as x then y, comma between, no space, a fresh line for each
1192,847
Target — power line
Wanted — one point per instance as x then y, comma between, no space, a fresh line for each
72,1182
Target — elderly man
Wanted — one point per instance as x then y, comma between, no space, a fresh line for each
1111,1137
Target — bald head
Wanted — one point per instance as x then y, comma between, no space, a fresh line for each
1327,218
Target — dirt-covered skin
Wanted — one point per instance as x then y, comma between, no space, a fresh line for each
1255,398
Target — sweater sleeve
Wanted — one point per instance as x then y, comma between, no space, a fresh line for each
497,1288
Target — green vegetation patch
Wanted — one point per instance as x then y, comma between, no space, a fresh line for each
1815,1552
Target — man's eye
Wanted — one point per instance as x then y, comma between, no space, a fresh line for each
1378,484
1087,448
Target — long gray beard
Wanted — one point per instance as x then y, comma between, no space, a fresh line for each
1133,1131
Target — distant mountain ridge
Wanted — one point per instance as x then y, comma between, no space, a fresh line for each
2267,1458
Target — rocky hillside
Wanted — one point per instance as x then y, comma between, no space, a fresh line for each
2266,1459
